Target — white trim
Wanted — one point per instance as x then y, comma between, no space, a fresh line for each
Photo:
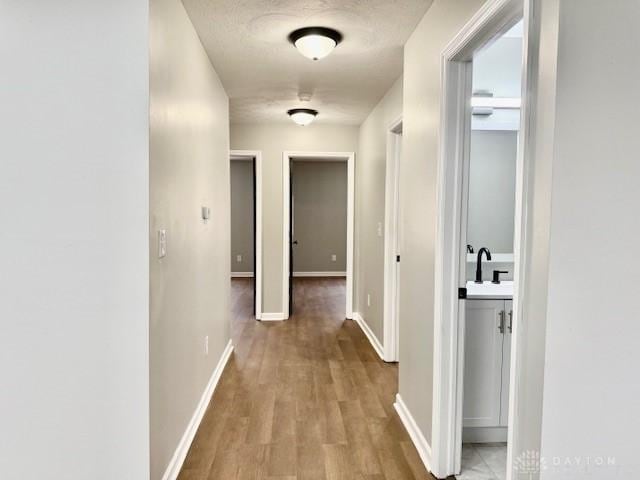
241,274
373,340
319,274
273,316
492,19
417,437
349,157
173,469
391,244
257,156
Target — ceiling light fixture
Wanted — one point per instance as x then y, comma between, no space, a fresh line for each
315,42
302,116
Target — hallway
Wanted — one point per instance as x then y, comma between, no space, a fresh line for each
307,398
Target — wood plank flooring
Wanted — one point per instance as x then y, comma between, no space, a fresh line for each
303,399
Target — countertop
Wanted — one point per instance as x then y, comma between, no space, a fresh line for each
490,291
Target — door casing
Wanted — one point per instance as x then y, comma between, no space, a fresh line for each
349,157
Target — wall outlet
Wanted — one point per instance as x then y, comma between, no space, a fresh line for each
239,258
334,257
206,345
162,243
379,229
368,299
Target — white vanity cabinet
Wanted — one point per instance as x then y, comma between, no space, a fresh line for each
486,368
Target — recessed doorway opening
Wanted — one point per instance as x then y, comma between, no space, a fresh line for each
318,227
246,230
392,257
482,227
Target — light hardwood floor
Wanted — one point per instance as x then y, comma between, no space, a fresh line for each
302,399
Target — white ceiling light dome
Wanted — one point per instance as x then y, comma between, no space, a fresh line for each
302,116
315,42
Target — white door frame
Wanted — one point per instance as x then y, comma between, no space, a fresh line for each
493,18
349,157
256,155
391,242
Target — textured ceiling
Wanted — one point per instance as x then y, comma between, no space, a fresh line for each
265,76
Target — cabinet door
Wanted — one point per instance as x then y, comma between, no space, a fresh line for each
506,365
482,363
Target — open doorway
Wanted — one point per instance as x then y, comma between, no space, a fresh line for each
488,316
318,228
246,237
392,242
480,227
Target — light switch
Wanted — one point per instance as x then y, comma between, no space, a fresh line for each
379,229
239,258
206,213
334,258
162,243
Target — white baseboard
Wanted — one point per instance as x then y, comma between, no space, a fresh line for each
375,343
484,434
272,316
173,469
419,441
319,274
241,274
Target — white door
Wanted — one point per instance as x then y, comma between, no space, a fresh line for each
483,363
506,364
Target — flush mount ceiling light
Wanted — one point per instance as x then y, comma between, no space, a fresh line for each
315,42
302,116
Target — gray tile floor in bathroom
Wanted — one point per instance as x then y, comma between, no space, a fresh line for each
483,461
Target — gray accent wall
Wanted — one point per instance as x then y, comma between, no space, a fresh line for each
320,215
190,287
242,229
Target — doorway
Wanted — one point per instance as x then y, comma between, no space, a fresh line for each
246,225
476,320
292,238
392,242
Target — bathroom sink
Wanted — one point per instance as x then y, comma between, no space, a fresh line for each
489,290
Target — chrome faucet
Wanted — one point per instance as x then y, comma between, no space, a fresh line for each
479,265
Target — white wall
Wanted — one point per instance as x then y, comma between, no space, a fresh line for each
591,388
421,117
190,287
74,213
370,208
273,140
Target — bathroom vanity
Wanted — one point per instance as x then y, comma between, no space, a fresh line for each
488,327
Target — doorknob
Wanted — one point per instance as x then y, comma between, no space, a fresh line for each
295,242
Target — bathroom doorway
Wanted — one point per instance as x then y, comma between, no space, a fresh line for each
480,230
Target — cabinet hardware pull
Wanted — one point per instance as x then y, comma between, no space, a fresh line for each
510,321
501,324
